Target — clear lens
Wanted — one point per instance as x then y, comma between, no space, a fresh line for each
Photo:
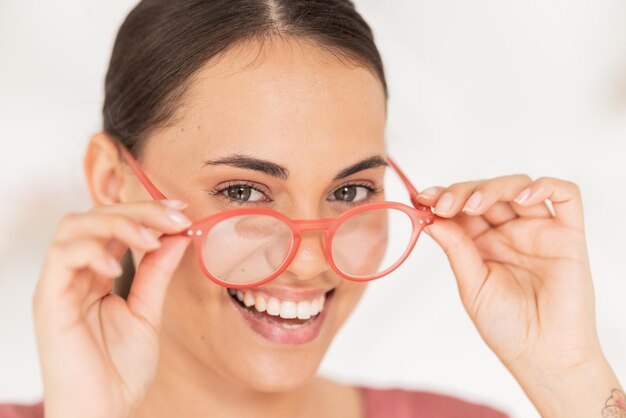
244,249
372,241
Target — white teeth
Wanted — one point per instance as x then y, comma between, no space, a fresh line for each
260,303
287,309
304,310
273,307
248,299
314,307
283,308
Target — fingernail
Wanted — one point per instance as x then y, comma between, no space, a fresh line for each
445,203
174,204
522,196
473,202
178,217
426,193
148,237
114,266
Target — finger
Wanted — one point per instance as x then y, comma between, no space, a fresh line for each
161,215
463,255
502,189
65,259
447,202
152,279
499,213
564,196
473,225
430,195
107,227
477,197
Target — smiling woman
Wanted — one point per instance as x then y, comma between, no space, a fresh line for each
263,123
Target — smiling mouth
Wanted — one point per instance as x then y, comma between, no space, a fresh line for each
286,314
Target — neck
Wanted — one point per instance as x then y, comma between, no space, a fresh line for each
184,386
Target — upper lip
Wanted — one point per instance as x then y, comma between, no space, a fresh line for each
285,293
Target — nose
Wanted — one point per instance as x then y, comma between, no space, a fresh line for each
309,261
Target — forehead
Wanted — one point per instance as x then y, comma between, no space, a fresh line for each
283,97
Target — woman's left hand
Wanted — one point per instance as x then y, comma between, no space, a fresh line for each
523,273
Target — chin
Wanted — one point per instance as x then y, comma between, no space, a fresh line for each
279,371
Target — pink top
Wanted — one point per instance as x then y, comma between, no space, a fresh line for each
379,403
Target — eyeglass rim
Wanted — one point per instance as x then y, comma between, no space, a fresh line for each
328,226
421,214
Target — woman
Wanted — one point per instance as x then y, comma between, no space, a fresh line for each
280,107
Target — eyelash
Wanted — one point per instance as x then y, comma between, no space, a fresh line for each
373,191
234,184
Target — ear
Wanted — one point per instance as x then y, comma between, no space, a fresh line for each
103,170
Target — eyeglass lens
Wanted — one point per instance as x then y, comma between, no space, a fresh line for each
248,248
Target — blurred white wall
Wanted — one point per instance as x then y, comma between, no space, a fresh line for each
478,89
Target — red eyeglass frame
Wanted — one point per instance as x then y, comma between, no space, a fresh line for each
420,217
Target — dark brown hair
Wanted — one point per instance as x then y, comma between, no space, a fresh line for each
162,43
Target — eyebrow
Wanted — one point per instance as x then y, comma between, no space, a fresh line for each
278,171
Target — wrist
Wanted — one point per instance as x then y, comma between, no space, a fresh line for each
578,390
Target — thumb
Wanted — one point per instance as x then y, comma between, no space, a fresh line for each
153,276
467,264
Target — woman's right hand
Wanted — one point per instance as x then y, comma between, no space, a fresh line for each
98,352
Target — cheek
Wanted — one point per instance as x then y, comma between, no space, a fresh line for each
347,295
192,307
198,319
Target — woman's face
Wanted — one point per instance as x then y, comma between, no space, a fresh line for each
295,105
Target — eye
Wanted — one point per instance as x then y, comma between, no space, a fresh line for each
354,193
241,193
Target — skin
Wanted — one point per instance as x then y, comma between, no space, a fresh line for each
176,346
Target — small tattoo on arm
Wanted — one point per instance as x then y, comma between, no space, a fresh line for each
615,406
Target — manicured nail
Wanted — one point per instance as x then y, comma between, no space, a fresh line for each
427,193
522,196
473,202
178,217
174,204
114,266
148,237
445,203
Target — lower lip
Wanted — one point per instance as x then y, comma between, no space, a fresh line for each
279,334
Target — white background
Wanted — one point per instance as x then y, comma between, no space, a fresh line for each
477,89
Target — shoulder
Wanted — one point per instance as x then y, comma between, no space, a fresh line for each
405,403
14,410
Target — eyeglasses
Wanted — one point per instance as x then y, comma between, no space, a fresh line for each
246,247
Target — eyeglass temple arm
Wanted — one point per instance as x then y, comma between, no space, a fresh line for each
412,190
150,187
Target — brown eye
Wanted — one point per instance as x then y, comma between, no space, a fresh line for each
351,193
239,193
346,193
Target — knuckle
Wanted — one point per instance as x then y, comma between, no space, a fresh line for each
68,219
455,187
522,177
574,186
56,249
99,208
119,225
558,182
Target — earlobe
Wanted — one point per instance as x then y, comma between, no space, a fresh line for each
102,168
